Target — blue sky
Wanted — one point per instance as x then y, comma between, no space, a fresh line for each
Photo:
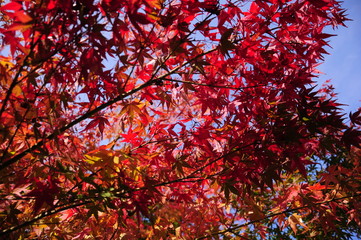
343,65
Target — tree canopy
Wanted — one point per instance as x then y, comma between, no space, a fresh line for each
174,119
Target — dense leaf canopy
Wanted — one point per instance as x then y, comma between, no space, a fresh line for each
170,119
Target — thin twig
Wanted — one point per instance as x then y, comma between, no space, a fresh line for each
275,214
40,216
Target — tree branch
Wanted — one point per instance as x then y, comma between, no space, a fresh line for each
211,85
40,216
87,115
98,109
275,214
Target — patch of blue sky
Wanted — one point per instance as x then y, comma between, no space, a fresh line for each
343,64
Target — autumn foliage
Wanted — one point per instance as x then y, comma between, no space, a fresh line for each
169,119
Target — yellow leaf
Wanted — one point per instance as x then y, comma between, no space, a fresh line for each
153,16
17,91
116,160
155,3
91,159
178,232
305,119
17,26
5,61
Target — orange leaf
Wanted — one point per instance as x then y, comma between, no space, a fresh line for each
295,220
154,3
23,17
17,91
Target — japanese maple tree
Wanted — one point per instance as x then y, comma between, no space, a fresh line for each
169,119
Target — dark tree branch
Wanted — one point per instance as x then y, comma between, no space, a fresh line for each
40,216
91,113
231,229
